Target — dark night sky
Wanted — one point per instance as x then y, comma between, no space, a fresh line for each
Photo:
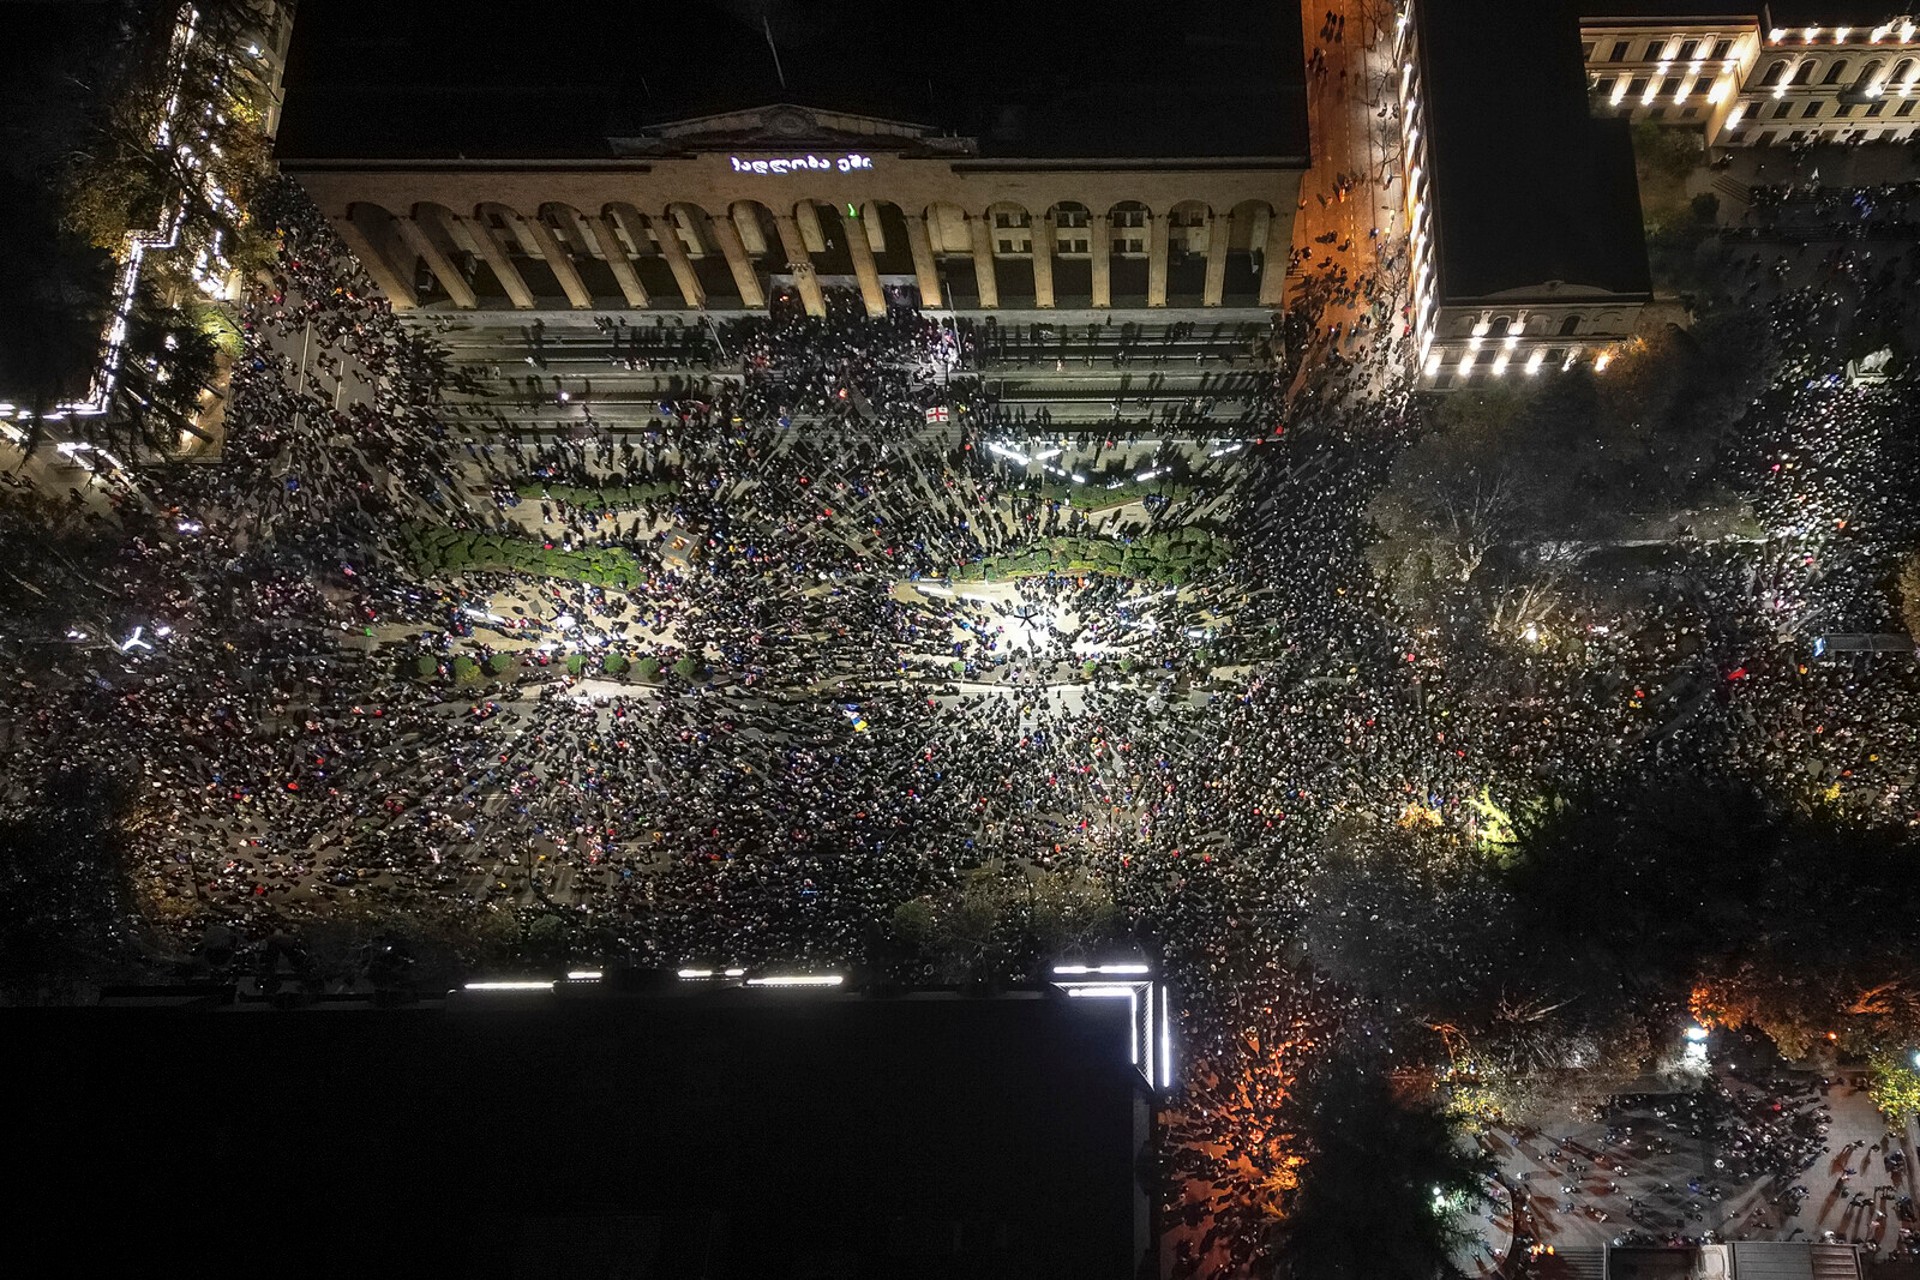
1129,78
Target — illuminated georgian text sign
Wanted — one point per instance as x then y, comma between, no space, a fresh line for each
802,164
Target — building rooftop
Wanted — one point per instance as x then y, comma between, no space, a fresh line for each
725,1134
1528,186
1790,14
407,79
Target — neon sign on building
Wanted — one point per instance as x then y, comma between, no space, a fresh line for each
802,164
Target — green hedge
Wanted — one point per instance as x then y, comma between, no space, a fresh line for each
437,549
602,498
501,663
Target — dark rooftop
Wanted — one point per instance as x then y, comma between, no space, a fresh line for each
732,1134
403,79
1528,186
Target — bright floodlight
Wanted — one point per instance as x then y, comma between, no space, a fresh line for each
1696,1033
1102,968
798,980
696,973
583,975
546,985
736,973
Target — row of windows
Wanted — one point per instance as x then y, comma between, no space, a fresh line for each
1836,72
1658,50
1078,218
1812,109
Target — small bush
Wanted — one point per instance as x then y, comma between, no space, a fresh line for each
613,664
501,663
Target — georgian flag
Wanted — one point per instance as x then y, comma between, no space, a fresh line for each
937,414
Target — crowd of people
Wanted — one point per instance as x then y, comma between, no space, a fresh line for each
853,728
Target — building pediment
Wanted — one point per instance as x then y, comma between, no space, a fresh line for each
784,125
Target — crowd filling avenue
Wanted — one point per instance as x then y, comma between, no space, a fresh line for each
1411,579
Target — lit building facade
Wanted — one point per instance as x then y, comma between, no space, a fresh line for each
1758,75
556,182
1526,252
720,213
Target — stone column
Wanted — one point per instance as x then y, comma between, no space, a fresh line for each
984,277
800,264
863,268
1219,232
924,271
1275,260
437,261
488,247
808,216
562,263
616,255
1156,259
1041,246
666,233
372,244
745,279
1100,241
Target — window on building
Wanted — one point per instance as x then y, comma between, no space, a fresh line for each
1586,51
1905,108
1130,218
1006,246
1834,72
1072,246
1813,109
1689,113
1902,72
1687,48
1764,140
1570,326
1774,73
1868,74
1636,86
1657,113
1070,218
1804,75
1721,49
1619,53
1780,109
1004,220
1604,85
1842,111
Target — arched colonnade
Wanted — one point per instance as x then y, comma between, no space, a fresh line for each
684,255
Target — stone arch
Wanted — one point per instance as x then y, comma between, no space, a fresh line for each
640,236
447,257
1189,230
1249,227
1869,75
372,233
1903,72
885,223
759,234
1011,235
1570,325
1011,227
1129,235
1804,73
1775,73
1073,243
947,229
1837,69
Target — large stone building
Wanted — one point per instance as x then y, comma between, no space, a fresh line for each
1527,249
1754,75
707,156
